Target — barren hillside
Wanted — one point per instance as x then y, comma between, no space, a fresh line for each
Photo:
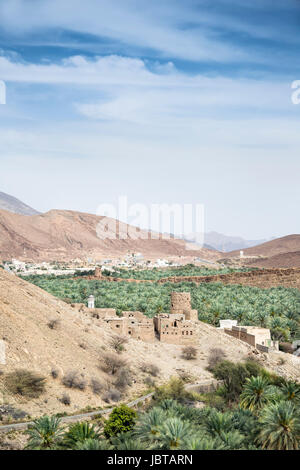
282,260
78,343
290,243
66,235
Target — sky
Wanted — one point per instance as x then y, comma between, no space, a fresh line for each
161,101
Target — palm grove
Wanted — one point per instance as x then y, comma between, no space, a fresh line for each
253,409
275,308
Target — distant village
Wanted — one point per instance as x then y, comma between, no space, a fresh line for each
129,261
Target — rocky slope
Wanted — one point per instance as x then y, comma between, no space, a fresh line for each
282,260
79,343
287,244
281,252
66,235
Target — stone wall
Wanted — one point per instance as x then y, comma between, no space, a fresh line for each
174,331
118,325
251,335
263,278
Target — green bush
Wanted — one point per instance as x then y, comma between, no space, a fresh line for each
174,390
233,377
122,419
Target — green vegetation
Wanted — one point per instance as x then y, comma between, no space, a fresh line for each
264,415
45,433
276,308
155,274
121,420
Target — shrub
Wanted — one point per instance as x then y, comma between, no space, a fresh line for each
122,419
186,376
73,380
215,355
53,324
65,399
149,381
151,369
97,386
7,412
124,378
111,395
189,352
235,375
112,363
25,383
55,373
117,343
174,389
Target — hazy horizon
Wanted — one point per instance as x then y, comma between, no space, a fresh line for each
162,101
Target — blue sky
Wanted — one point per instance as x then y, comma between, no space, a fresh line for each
163,101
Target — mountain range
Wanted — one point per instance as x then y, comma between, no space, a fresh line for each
226,243
12,204
65,235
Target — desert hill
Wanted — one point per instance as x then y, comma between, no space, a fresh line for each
12,204
282,260
66,235
79,343
287,244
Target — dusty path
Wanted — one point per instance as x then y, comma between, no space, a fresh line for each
91,414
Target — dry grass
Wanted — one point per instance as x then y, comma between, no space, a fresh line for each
25,383
73,380
97,386
215,355
189,352
150,368
111,363
117,343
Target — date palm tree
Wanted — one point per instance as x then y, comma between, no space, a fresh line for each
256,393
45,433
203,443
127,441
174,433
218,422
280,427
94,444
291,391
148,427
78,433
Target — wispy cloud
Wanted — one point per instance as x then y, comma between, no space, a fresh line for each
132,89
193,102
187,30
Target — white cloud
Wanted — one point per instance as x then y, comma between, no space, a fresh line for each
143,24
130,90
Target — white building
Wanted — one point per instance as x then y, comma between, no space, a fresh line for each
227,323
91,301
